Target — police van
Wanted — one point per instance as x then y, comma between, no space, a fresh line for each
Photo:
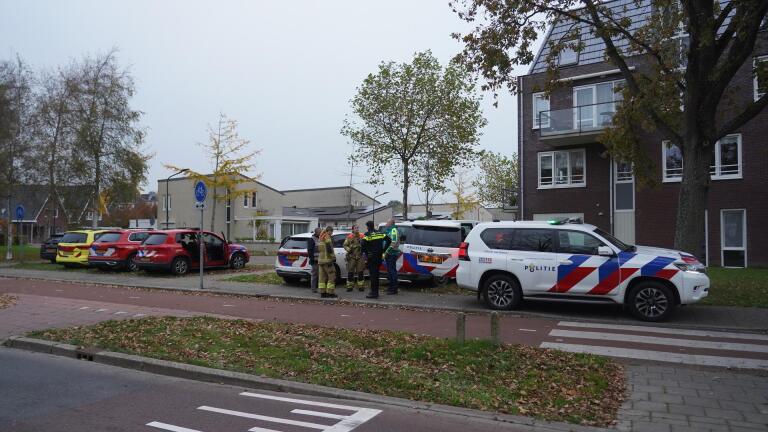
430,251
566,260
292,261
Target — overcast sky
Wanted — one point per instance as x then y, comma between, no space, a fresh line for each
285,70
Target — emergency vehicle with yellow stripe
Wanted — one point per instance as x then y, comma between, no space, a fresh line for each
566,260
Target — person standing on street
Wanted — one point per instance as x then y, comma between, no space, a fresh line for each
391,254
355,265
326,259
373,246
313,253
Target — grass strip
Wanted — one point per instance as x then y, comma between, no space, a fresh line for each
547,384
738,287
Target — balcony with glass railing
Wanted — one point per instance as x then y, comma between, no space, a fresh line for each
575,125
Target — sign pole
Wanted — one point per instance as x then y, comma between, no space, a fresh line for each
201,192
200,239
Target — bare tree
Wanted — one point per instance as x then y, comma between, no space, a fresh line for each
108,138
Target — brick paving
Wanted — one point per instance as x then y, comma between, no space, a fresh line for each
32,312
678,399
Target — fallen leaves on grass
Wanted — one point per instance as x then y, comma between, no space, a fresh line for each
7,301
512,379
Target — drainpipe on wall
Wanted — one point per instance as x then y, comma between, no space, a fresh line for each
610,195
520,147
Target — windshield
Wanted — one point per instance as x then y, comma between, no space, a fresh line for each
108,238
614,241
435,236
295,243
155,239
74,238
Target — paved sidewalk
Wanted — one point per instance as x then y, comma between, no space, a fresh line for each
673,399
694,316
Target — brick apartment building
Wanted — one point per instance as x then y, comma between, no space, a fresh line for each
566,172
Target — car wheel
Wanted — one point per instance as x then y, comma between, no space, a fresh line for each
131,265
179,266
651,301
238,261
502,292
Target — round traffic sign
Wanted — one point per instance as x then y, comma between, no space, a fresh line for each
201,191
19,212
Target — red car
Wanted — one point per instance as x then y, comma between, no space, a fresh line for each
116,250
178,251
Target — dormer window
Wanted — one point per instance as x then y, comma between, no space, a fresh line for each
568,54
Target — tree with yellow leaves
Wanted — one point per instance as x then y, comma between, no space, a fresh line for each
231,160
465,198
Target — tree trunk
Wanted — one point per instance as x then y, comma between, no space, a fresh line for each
689,229
406,183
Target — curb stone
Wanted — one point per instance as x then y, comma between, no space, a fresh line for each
446,308
204,374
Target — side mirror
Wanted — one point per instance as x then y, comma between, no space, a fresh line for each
605,251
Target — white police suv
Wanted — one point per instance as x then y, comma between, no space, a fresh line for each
567,260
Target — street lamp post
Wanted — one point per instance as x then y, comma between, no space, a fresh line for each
167,202
374,206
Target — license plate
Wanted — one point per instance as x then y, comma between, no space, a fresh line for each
142,259
431,259
293,257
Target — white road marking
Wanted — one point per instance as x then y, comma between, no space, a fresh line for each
318,414
134,297
689,343
263,418
348,423
258,429
528,330
702,360
101,310
139,315
344,315
85,307
228,305
170,427
666,330
120,313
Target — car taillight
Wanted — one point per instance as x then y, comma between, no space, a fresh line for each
464,251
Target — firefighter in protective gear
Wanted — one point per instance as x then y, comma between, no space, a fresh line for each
355,262
326,259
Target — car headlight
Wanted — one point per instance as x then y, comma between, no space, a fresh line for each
693,268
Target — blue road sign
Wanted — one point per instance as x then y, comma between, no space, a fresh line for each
20,212
201,191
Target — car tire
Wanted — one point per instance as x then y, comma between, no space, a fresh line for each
180,266
502,292
130,264
651,301
237,262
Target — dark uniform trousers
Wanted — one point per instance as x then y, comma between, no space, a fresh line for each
373,271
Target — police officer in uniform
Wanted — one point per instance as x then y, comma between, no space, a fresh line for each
391,253
373,247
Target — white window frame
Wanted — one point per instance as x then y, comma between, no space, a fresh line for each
714,171
167,202
246,199
570,183
755,61
664,177
577,53
595,103
744,237
536,124
254,200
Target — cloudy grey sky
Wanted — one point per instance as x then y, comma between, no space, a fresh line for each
284,69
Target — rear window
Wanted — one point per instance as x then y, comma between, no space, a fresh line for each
296,243
435,236
534,240
108,238
74,238
155,239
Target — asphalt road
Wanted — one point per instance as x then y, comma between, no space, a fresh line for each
40,392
